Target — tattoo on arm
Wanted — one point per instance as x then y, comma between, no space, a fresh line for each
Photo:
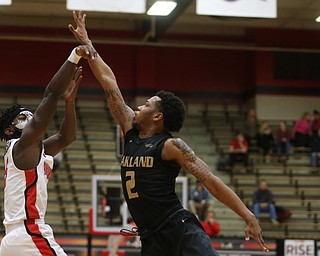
112,94
117,105
182,146
191,162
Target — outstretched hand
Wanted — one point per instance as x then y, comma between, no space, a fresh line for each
71,92
253,230
86,51
80,33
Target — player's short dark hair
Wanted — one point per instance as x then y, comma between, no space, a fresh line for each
173,109
7,117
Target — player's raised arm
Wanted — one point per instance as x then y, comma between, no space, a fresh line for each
177,150
122,113
67,133
35,129
28,148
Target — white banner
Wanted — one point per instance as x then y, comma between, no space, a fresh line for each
128,6
299,248
238,8
5,2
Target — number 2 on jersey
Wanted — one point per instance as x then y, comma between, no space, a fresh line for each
130,184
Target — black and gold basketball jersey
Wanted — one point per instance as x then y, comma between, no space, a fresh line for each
148,181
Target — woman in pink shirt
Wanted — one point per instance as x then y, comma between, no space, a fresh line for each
302,131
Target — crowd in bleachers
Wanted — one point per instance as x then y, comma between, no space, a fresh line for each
278,158
303,135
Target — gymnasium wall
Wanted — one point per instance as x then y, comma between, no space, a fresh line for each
285,107
192,73
241,74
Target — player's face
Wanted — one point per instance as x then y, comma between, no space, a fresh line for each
240,138
144,113
18,124
22,119
263,185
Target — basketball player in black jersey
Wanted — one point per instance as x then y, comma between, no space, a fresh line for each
150,164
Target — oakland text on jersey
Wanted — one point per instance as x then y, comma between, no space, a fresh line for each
137,161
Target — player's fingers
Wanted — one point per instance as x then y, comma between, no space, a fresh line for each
76,85
247,234
86,48
263,244
92,52
75,16
264,247
75,73
78,82
71,28
258,238
80,51
73,89
78,73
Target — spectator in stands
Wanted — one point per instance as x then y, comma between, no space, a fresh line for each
238,150
315,123
28,161
251,126
265,138
263,202
200,201
283,137
211,225
315,149
302,131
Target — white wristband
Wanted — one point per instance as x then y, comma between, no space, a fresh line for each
74,57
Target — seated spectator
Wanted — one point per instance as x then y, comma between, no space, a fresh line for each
315,150
251,126
200,201
265,138
315,126
210,225
263,202
238,150
283,137
302,131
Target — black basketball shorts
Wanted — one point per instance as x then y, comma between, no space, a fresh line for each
181,236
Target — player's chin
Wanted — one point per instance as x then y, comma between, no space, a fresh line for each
135,125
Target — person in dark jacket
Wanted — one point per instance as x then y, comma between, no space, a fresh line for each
283,136
265,138
263,202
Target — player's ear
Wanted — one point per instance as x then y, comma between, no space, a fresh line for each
8,132
158,116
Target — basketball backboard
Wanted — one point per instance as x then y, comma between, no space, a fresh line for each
109,210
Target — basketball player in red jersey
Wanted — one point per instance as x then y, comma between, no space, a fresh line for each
29,161
150,164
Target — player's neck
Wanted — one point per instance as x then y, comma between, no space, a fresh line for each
151,131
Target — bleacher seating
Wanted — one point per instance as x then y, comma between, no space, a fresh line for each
293,183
